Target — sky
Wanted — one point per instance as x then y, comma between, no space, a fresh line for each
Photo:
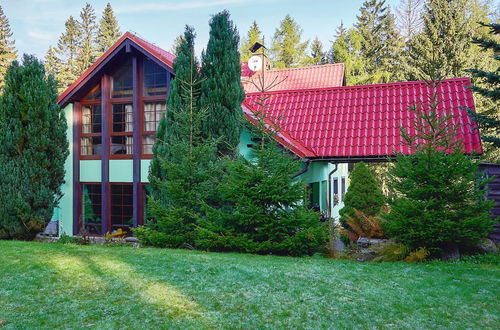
37,24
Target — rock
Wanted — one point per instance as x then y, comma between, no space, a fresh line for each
487,246
131,240
51,229
451,252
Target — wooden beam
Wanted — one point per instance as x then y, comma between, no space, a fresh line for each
136,144
105,111
76,167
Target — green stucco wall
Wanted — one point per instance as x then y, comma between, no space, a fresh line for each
121,170
64,213
245,140
90,171
145,169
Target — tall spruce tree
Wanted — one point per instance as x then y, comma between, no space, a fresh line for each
33,149
221,90
409,17
108,31
489,120
254,35
444,39
318,56
183,172
288,50
67,51
381,43
88,29
7,50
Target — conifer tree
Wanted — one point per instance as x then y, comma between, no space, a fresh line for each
178,99
7,50
489,120
108,31
221,90
176,44
33,149
288,50
183,174
444,38
318,56
364,194
381,43
52,62
409,17
67,50
253,35
88,28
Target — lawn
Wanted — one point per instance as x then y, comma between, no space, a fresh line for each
69,286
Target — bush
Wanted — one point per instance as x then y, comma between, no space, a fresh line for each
365,225
149,237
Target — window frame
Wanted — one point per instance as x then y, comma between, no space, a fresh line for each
110,184
85,103
112,134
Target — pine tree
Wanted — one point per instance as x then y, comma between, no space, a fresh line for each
221,90
7,50
177,42
33,149
183,174
318,56
489,120
88,28
444,41
364,195
381,43
253,35
288,51
108,31
67,50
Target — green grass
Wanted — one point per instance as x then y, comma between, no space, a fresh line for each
69,286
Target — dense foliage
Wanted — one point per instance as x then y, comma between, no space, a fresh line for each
254,35
288,50
265,209
221,90
364,199
33,149
439,199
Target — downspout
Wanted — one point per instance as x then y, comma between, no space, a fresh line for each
330,220
304,170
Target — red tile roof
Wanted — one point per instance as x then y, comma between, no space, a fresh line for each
245,70
316,76
362,121
162,55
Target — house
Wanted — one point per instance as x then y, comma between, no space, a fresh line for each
113,110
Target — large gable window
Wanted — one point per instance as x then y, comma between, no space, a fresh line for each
121,82
152,115
122,206
154,79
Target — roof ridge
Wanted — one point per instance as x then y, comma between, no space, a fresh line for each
320,89
308,67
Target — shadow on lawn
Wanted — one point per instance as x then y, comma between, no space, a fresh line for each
118,284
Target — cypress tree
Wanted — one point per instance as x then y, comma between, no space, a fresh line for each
288,50
318,56
33,149
221,90
108,31
88,28
7,50
254,35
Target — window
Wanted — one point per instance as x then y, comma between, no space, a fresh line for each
152,117
95,94
121,132
154,79
121,82
91,208
343,187
121,206
324,194
91,130
314,194
335,191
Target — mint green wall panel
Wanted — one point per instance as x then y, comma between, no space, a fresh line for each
120,170
145,169
90,170
245,140
64,212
